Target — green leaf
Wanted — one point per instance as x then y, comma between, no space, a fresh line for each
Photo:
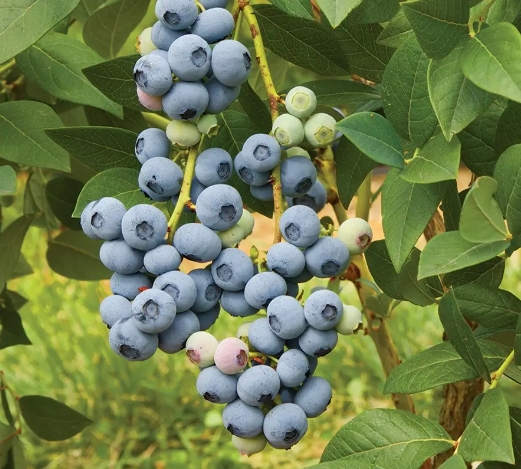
517,343
114,78
62,194
13,332
454,462
22,24
22,137
120,183
55,62
393,439
366,57
503,10
438,24
7,180
406,96
456,100
406,210
35,201
488,273
508,176
342,465
337,10
255,108
451,206
301,42
491,59
11,240
16,299
488,436
375,11
478,140
447,252
373,135
51,420
22,268
132,120
352,167
297,8
99,148
440,365
18,455
438,160
72,248
109,26
460,335
481,218
381,305
396,31
7,433
414,290
508,128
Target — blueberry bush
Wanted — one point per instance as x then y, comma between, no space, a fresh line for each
149,161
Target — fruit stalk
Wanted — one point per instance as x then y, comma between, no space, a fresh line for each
155,120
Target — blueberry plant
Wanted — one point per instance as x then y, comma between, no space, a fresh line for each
133,162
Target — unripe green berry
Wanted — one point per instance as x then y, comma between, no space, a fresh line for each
356,234
183,133
208,125
320,129
243,330
246,222
288,130
231,237
297,151
301,101
144,43
351,320
249,446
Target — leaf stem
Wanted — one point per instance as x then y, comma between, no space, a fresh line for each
4,68
156,120
499,373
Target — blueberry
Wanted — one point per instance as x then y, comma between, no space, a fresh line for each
288,130
263,339
160,179
248,175
262,288
293,368
213,166
231,237
180,287
208,125
246,222
162,259
318,343
328,257
231,355
297,176
183,133
105,218
144,227
315,198
152,103
220,96
232,269
214,3
113,308
234,303
285,425
173,339
152,75
242,420
320,130
209,317
189,57
144,43
195,190
351,320
301,102
197,243
300,226
216,387
249,446
119,257
297,151
261,152
231,62
131,343
186,100
129,286
356,234
163,37
176,14
213,25
152,143
287,395
86,216
285,259
286,317
219,207
207,291
314,396
161,53
153,311
200,349
293,289
264,193
323,309
303,277
258,385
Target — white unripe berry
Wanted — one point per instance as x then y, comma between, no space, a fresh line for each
200,348
356,234
351,320
301,101
288,130
144,43
320,129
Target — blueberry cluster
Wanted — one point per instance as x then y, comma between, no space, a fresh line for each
265,376
188,67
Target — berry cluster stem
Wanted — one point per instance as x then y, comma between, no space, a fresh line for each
184,195
156,120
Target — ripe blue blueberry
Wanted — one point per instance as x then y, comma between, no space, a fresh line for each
197,243
315,198
248,175
287,395
293,289
163,37
220,96
214,3
213,25
213,166
152,143
180,287
303,277
85,220
219,207
242,420
189,57
209,317
293,368
285,425
318,343
176,14
161,53
113,308
261,152
297,176
285,259
234,303
152,75
258,385
264,193
208,292
160,179
232,269
131,343
323,309
216,387
130,285
144,227
173,339
153,311
231,62
286,317
119,257
314,396
263,339
328,257
106,217
162,259
263,287
300,226
186,100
